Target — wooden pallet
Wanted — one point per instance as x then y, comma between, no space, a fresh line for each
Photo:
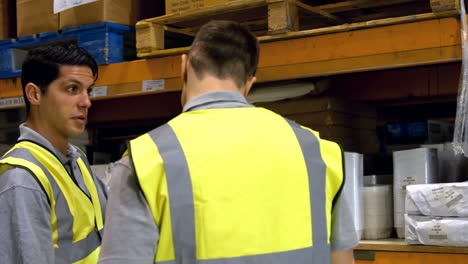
281,19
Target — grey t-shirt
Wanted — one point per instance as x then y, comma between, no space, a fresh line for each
127,204
26,235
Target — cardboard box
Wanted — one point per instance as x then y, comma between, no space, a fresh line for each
125,12
7,19
330,118
175,6
350,124
36,16
318,104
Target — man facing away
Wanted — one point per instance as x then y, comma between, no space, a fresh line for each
52,207
227,182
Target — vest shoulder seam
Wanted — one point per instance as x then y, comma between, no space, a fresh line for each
20,186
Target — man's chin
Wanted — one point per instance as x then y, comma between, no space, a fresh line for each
76,132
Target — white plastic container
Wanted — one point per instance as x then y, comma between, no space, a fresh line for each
378,211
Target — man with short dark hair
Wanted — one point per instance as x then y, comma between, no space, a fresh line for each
52,206
227,182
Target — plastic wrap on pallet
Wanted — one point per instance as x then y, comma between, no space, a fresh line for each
414,166
352,189
445,199
460,134
437,231
452,166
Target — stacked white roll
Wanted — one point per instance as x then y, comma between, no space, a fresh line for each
437,231
352,190
437,214
378,211
414,166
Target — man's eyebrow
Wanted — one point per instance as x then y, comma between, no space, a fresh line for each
73,80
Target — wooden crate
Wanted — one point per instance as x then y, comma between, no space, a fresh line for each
279,19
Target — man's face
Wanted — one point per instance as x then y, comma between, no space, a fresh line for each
64,106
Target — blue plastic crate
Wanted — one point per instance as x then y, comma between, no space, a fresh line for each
107,42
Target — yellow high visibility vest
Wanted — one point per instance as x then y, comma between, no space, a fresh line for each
72,213
238,185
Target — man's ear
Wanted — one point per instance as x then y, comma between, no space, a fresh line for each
248,85
183,67
33,93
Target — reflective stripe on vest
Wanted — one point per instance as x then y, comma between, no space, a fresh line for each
74,216
163,145
315,167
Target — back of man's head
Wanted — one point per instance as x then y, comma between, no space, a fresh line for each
42,65
226,50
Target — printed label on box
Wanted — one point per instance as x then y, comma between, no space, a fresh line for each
153,85
98,91
407,180
452,198
13,101
61,5
438,232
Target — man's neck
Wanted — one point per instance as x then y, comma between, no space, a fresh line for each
209,84
58,142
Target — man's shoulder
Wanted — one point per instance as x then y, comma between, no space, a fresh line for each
14,177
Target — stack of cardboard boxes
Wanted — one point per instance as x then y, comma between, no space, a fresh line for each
36,16
350,124
7,19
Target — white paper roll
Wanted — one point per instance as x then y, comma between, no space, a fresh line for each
443,199
439,231
378,211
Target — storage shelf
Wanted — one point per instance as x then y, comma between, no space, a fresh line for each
425,42
399,245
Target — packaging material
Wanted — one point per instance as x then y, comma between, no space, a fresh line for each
414,166
35,16
460,135
7,19
452,166
61,5
437,231
125,12
444,199
352,190
378,211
